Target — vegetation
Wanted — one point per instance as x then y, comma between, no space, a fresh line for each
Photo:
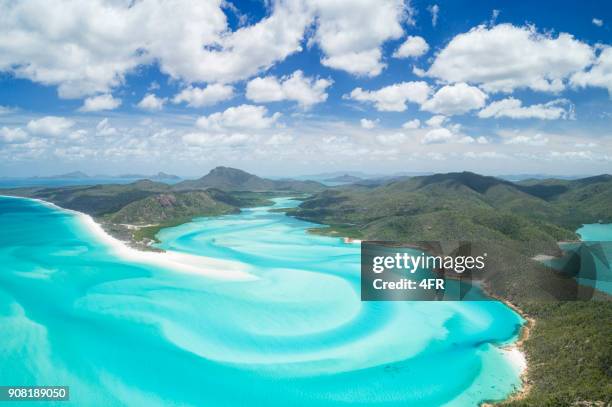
569,349
231,179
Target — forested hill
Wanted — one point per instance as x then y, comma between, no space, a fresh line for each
232,179
463,205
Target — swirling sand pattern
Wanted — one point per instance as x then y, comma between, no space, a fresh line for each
122,332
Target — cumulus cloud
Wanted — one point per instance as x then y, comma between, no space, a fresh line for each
296,87
487,56
393,98
350,33
88,48
243,116
470,140
151,102
50,126
514,109
436,121
100,102
598,75
455,99
200,97
368,124
13,135
597,21
412,124
414,46
437,136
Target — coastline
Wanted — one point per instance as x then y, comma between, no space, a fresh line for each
181,262
516,352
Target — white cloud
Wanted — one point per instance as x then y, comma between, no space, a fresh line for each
494,15
88,48
572,155
13,135
394,97
455,99
535,140
412,124
436,121
243,116
438,136
392,139
470,140
351,32
103,128
208,96
100,102
597,21
489,57
598,75
368,124
414,46
435,11
215,140
304,90
6,110
279,140
485,154
50,126
514,109
151,102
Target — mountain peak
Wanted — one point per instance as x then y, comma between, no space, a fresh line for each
477,182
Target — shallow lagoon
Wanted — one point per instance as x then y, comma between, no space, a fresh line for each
118,332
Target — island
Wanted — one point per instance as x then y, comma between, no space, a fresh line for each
567,350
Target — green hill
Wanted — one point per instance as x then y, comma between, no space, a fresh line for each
465,205
232,179
166,207
94,200
569,350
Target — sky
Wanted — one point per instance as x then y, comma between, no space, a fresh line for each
289,87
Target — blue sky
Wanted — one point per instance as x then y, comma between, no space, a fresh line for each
303,86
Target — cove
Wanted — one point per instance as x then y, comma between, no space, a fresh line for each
121,332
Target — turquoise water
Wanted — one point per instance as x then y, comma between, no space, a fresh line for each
123,333
596,232
601,233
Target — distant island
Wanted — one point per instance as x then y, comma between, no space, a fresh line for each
68,175
344,178
160,176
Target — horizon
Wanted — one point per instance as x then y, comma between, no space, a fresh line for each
381,90
329,174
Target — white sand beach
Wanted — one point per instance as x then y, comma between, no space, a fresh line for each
517,357
180,262
183,262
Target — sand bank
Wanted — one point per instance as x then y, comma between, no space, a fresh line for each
181,262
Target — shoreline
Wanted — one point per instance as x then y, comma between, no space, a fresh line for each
516,352
180,262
